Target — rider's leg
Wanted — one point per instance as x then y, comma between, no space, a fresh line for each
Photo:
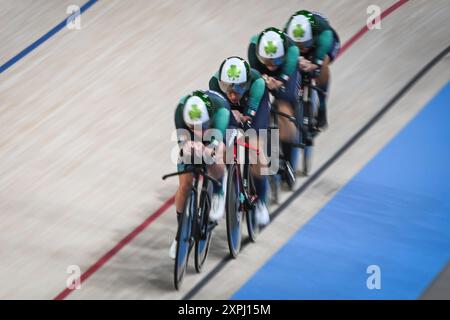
287,128
288,102
322,83
259,160
288,134
259,139
259,166
261,186
217,171
287,99
184,185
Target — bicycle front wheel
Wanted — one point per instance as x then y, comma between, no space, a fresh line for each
233,211
205,231
184,240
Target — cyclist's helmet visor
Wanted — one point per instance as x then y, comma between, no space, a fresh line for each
204,126
306,44
239,88
272,62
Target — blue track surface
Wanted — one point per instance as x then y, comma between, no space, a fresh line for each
395,213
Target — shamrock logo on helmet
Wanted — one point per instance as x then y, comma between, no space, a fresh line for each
195,113
298,31
233,72
271,48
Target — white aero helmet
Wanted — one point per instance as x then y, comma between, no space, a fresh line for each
300,28
195,112
234,75
271,47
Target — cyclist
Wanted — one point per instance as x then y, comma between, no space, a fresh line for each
195,113
318,41
275,56
246,92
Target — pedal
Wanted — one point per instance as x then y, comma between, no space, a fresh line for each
299,145
212,225
252,201
315,132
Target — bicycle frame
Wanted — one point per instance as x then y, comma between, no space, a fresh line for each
241,195
244,168
198,171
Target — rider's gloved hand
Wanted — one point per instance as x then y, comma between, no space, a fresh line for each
210,150
186,150
273,84
198,148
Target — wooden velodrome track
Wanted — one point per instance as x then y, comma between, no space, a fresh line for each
86,121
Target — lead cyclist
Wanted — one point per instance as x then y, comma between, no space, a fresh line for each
196,113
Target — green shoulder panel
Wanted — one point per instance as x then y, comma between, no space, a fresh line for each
254,74
221,112
254,39
218,100
183,99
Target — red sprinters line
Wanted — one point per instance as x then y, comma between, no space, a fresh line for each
105,258
122,243
248,146
365,29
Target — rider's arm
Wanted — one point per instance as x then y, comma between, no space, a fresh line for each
290,65
256,94
323,46
221,120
